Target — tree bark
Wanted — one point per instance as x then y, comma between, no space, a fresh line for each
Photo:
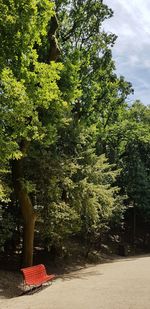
54,51
134,227
29,216
28,241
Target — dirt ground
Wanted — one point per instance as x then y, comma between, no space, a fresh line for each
121,284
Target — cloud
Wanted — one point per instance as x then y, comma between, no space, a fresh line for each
131,23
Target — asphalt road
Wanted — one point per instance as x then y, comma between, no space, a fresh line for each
122,284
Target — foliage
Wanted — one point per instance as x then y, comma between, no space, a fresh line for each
90,69
66,123
28,89
128,142
74,193
27,86
7,227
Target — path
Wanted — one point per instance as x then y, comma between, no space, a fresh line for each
122,284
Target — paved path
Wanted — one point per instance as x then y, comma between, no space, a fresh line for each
122,284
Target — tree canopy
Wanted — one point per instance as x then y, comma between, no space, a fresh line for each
74,155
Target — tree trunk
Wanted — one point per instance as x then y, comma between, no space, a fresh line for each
134,227
54,51
29,216
28,241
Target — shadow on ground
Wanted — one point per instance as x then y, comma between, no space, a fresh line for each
11,282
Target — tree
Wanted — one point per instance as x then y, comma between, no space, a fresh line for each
127,143
75,191
28,89
86,53
48,106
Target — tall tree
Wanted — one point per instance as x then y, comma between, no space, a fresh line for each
28,88
41,99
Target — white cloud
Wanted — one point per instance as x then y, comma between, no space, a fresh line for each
131,23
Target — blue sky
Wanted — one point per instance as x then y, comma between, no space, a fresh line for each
131,23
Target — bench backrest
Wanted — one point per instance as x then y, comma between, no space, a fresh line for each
37,272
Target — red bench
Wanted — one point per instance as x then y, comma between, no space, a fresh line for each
36,275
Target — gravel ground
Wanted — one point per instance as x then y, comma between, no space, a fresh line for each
121,284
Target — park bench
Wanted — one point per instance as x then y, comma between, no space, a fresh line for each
35,276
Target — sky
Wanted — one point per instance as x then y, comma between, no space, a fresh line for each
131,23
